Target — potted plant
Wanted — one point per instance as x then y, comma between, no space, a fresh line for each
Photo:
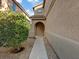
14,29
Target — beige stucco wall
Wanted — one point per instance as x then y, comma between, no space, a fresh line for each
47,6
62,28
4,5
18,10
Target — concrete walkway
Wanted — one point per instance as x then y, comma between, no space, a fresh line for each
38,50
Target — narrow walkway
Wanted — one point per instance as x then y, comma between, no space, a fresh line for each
38,50
50,51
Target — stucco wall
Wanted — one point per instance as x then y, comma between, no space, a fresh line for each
47,6
18,9
33,28
62,28
4,5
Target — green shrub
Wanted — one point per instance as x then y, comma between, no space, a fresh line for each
14,29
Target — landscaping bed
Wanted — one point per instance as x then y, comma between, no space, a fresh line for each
14,29
28,44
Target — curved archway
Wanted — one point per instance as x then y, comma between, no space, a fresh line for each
39,31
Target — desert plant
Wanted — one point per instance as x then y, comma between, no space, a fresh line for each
14,29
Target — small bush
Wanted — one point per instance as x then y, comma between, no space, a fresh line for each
14,29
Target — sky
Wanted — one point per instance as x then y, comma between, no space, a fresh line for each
29,4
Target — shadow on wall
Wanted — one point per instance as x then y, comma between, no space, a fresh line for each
64,47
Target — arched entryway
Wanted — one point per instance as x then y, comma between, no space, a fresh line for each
39,29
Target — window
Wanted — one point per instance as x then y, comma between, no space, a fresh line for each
0,3
14,7
39,11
